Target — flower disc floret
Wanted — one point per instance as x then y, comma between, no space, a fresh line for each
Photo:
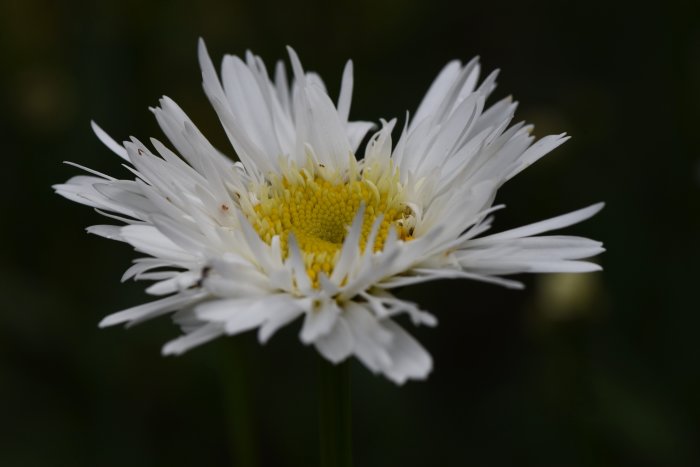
318,209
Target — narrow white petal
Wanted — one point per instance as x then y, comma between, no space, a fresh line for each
345,97
275,321
148,239
107,140
536,151
350,250
437,91
558,222
89,170
197,337
370,338
426,276
151,309
143,264
243,314
298,70
319,321
356,132
178,283
257,247
301,278
409,360
385,305
113,232
338,344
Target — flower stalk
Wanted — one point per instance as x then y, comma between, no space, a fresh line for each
239,406
335,425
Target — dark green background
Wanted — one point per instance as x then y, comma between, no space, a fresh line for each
605,375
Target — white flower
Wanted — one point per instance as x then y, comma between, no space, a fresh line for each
302,227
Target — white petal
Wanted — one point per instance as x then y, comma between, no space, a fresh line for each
152,309
350,249
558,222
338,344
174,284
384,347
277,320
239,315
370,338
409,360
149,240
107,140
197,337
319,321
437,91
356,133
296,263
345,97
113,232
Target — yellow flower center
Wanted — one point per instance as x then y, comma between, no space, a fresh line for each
319,207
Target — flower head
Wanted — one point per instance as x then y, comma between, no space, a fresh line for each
302,226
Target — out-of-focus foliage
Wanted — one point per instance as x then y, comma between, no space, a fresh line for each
583,371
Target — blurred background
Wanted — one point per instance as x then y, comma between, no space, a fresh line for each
590,370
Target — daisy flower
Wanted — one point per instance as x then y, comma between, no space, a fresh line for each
302,226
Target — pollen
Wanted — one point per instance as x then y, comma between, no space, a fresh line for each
318,208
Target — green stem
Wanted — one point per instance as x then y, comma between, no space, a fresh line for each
335,424
235,374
